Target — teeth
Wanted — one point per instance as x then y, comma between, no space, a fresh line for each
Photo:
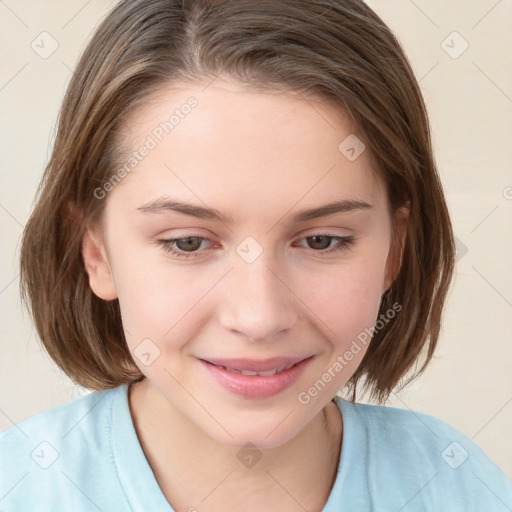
232,370
268,372
251,372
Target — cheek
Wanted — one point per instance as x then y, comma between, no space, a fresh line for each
346,300
155,299
346,304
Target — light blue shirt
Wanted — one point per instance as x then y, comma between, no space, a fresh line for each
85,456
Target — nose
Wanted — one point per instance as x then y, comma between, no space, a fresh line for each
257,302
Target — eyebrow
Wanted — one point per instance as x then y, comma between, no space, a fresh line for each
164,204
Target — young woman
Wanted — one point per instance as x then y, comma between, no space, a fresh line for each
241,216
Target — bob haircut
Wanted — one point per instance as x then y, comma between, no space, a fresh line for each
334,50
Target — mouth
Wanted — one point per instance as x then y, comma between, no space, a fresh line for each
253,379
252,373
253,367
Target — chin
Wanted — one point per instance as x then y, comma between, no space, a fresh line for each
257,439
264,429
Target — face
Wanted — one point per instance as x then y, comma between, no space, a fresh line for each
251,274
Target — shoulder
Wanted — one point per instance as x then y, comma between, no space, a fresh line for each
71,418
434,462
57,449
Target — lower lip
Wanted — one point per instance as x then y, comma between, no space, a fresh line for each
256,386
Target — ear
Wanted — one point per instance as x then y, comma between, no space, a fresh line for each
97,265
398,237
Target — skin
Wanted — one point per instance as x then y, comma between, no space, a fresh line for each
261,157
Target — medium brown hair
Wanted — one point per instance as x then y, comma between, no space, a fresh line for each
336,50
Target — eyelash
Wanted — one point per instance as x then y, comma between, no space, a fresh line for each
344,243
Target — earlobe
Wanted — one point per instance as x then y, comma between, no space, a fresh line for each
395,255
97,266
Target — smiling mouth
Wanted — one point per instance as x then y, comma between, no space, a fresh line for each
256,378
252,373
257,367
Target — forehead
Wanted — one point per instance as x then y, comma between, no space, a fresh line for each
224,112
220,140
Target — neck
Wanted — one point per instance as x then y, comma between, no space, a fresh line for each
192,469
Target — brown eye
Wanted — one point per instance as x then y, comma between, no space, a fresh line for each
185,247
188,244
189,247
319,242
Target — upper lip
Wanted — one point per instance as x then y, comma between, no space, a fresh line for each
256,365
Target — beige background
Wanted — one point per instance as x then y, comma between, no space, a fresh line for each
469,384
